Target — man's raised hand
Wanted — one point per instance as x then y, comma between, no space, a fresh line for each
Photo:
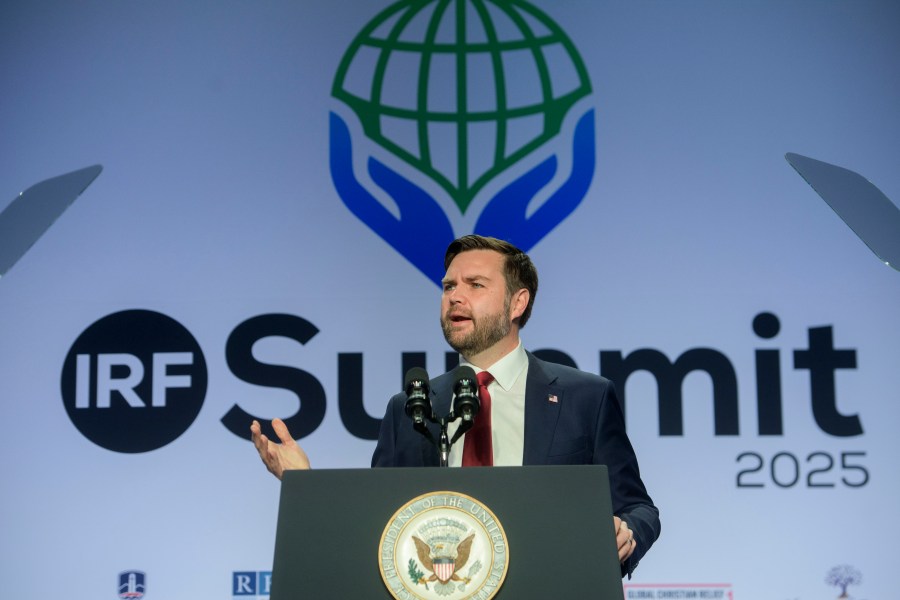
278,458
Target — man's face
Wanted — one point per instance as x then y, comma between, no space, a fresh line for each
475,305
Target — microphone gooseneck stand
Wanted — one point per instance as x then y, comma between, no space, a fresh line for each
465,407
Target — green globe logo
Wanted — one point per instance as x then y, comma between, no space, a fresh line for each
457,61
459,90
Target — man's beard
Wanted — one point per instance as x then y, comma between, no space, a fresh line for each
486,331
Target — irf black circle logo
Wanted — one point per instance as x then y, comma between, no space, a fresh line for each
134,381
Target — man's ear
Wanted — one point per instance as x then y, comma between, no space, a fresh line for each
518,303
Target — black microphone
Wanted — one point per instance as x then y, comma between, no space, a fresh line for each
466,404
418,403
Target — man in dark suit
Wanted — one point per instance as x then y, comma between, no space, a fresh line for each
534,413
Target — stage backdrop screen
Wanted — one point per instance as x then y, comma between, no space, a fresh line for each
279,182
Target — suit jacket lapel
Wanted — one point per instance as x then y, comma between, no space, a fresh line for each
541,414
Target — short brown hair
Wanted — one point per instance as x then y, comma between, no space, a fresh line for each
518,271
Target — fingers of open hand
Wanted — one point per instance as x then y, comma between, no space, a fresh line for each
282,432
278,457
267,452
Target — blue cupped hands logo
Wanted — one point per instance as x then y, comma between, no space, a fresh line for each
422,232
459,94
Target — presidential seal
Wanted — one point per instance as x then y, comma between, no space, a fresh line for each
443,545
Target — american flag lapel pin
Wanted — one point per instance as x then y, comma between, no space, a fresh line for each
552,398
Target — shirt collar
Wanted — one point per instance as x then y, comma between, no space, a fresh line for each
506,370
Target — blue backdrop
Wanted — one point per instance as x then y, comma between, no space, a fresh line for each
636,148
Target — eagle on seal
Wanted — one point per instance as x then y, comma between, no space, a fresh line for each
444,568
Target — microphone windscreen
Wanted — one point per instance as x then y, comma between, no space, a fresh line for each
463,372
415,374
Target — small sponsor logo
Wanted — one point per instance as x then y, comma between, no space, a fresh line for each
443,545
251,585
678,591
842,577
132,585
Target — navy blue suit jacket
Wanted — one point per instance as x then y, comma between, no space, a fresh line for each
585,426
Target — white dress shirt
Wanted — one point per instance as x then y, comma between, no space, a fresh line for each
507,410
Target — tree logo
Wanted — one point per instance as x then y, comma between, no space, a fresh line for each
842,577
459,116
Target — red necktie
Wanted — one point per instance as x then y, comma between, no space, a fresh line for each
478,450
